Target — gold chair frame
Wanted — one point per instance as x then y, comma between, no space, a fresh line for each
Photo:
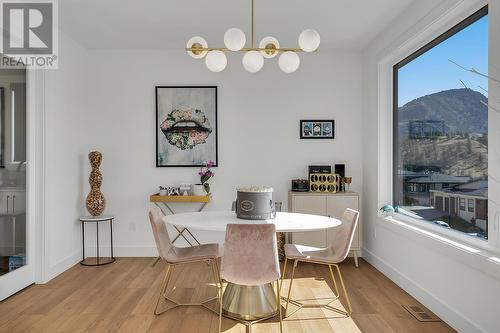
327,305
168,274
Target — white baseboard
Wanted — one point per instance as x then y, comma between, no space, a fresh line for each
135,251
62,266
446,312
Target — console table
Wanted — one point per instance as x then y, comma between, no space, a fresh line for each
165,201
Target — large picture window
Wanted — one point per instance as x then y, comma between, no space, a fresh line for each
441,130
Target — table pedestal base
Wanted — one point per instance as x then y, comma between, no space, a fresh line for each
249,302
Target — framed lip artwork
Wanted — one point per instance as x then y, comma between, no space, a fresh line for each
186,126
317,129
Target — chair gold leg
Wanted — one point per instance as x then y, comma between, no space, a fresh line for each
290,288
337,295
163,288
283,273
278,297
215,271
219,281
220,307
349,311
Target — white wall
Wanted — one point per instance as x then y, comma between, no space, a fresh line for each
258,128
460,293
67,92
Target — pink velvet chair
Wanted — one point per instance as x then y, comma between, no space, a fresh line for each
175,256
330,256
250,259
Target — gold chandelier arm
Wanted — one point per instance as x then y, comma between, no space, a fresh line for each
224,49
253,24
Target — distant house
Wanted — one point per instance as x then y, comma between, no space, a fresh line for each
426,129
417,189
468,201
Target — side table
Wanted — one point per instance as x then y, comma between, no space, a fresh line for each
97,220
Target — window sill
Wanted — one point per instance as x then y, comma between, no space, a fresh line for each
473,253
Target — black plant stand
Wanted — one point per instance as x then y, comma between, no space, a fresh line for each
97,220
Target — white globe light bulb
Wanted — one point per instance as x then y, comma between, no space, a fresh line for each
197,43
234,39
270,44
309,40
289,61
216,61
253,61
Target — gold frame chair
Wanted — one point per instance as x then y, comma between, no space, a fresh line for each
332,299
168,274
173,257
330,257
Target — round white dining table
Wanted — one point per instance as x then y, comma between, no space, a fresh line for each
218,220
250,302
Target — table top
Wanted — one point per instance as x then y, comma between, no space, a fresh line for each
99,218
218,220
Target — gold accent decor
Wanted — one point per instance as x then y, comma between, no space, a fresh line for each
265,49
95,202
324,182
270,49
197,48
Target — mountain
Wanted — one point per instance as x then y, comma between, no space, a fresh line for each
460,109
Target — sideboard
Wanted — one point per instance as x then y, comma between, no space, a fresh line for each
331,204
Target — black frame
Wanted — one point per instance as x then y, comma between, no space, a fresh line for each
395,123
216,127
317,121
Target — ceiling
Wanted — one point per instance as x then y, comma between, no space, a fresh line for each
168,24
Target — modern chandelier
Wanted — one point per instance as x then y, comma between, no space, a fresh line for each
253,59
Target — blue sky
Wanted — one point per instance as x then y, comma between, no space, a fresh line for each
432,72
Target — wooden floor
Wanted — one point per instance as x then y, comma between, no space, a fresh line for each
121,297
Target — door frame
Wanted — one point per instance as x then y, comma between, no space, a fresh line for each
33,271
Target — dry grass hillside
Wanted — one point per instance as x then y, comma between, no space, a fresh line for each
454,155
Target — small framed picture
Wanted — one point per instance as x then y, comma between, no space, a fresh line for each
317,129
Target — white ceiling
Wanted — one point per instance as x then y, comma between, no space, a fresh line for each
168,24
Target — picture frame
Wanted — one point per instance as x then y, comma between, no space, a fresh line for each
317,129
186,125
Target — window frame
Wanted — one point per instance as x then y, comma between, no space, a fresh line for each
471,207
461,204
471,19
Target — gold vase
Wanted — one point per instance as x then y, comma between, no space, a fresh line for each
95,199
